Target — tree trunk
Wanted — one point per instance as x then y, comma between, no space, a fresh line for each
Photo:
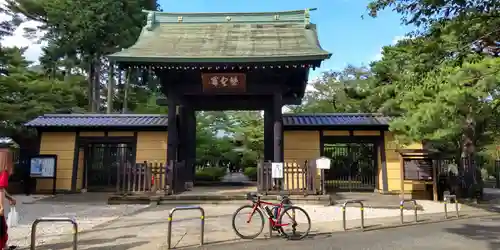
468,156
128,75
97,83
90,80
110,88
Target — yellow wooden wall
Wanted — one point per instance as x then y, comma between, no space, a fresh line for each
394,165
298,147
152,146
61,144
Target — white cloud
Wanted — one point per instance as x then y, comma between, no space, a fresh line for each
395,40
34,50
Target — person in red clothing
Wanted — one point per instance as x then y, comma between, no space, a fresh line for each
6,169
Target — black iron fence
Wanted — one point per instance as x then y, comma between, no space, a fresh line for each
353,166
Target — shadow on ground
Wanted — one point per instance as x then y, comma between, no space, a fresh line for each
481,232
87,198
93,244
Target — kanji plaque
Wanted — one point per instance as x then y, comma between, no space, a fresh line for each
224,82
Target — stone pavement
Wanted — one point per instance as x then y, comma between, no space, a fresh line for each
148,229
89,214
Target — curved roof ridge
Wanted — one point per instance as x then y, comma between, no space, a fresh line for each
302,11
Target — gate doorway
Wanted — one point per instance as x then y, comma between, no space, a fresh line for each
102,163
353,167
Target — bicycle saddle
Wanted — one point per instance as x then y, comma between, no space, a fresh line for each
253,195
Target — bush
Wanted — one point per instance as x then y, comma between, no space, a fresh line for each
251,173
210,174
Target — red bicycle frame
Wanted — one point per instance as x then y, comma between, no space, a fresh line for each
273,221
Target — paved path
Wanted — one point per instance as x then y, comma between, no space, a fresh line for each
235,177
90,213
476,233
148,229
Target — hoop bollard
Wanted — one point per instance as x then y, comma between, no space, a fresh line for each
447,199
171,213
401,208
362,208
53,219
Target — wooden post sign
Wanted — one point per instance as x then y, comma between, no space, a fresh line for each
323,163
224,82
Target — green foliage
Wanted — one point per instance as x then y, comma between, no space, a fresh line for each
210,173
25,94
251,173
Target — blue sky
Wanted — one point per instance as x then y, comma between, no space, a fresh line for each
342,31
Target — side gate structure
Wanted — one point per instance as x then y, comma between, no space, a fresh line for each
297,179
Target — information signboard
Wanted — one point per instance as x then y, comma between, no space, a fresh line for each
277,170
44,167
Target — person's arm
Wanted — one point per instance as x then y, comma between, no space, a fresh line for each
9,197
2,199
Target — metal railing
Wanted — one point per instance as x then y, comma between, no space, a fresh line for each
171,213
447,199
401,208
54,219
362,208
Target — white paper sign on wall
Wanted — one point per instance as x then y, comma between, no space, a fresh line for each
277,170
323,163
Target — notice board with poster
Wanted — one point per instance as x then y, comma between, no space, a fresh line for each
44,167
418,169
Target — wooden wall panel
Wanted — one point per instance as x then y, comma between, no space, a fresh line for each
61,144
152,146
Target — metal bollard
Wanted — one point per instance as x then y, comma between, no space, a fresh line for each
401,208
171,213
362,208
447,199
54,219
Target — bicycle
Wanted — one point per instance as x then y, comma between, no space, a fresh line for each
275,216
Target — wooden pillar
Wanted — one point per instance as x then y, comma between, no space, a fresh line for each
277,134
268,134
181,131
190,142
402,177
277,128
172,129
383,162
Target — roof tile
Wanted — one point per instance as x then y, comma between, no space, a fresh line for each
211,37
98,120
335,119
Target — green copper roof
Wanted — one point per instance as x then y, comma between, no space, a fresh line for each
225,38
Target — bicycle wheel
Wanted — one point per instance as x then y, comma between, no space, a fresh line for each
293,217
244,216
